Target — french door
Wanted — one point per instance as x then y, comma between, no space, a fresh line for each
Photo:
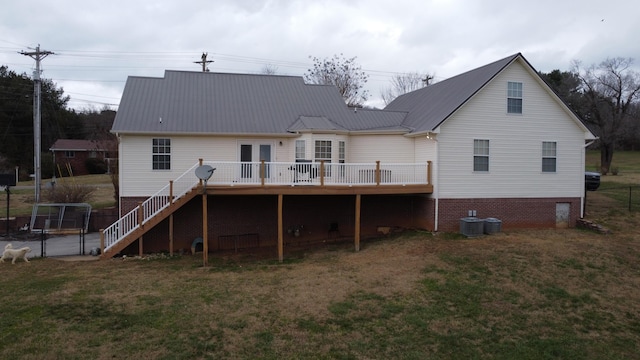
251,153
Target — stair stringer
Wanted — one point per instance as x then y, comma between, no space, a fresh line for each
150,223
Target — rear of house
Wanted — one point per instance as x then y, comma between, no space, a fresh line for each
294,164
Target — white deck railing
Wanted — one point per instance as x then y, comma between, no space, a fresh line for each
317,173
264,174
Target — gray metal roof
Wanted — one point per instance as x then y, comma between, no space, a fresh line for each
221,103
428,107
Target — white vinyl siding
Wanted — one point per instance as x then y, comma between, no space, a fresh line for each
515,145
385,148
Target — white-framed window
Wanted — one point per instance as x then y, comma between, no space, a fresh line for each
549,153
480,155
514,97
323,152
69,154
301,152
342,156
161,158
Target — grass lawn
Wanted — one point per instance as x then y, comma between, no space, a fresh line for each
535,294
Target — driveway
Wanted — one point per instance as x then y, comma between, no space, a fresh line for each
55,246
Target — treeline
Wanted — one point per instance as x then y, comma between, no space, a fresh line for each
606,97
57,122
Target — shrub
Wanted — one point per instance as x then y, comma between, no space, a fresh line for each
68,192
96,166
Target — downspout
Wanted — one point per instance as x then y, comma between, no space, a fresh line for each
583,198
436,175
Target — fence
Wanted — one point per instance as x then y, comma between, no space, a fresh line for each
624,196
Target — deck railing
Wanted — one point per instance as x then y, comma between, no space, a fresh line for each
318,173
268,173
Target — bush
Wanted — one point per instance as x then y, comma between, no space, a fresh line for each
68,192
96,166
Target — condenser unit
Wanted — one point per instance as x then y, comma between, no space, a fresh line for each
471,226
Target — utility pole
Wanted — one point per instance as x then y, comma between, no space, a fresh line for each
204,62
37,142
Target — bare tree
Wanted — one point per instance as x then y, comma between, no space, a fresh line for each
611,89
269,69
404,83
343,73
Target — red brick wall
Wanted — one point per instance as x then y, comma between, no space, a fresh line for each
513,212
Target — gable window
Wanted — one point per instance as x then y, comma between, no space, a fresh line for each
161,150
323,152
480,155
514,97
300,149
549,156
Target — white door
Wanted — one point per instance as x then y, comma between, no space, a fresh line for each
252,153
562,214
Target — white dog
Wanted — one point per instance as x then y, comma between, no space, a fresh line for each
10,252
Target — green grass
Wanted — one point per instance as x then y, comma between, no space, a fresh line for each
509,298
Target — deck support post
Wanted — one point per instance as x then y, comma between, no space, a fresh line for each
429,172
171,234
377,172
280,230
205,230
140,215
140,247
357,222
101,241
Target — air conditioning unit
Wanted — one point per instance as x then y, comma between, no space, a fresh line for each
492,226
471,226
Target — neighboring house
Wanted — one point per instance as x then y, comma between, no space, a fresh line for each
294,164
70,153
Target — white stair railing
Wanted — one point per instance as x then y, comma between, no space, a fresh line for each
149,208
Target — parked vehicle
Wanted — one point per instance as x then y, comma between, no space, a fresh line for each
592,180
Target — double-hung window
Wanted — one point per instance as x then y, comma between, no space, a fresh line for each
514,97
161,150
549,152
300,150
323,152
480,155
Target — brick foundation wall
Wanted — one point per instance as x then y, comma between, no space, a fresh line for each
514,212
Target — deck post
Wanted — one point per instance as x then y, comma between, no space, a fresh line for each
140,247
205,230
429,172
170,191
357,222
200,164
101,241
321,172
262,172
171,234
140,214
377,172
280,230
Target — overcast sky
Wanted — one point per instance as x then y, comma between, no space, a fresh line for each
97,44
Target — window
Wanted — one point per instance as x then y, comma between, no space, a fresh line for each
323,152
300,149
93,154
161,154
69,154
341,157
514,97
549,156
480,155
